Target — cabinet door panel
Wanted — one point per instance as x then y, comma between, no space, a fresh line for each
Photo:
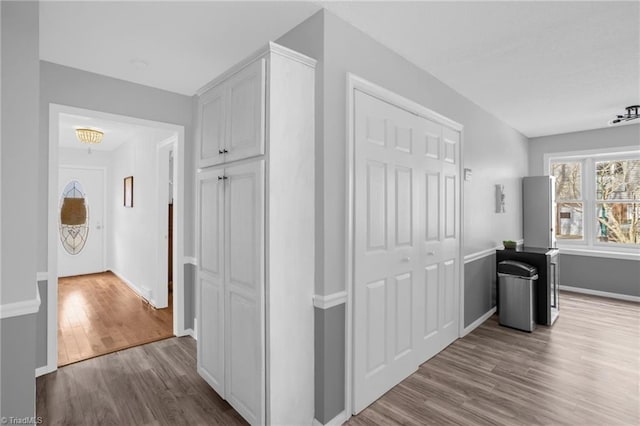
210,213
211,335
245,114
244,355
244,289
211,309
211,119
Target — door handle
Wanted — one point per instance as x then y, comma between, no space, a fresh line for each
222,178
222,151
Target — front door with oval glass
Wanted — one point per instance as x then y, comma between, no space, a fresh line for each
80,221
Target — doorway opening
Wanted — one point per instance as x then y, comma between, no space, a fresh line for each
116,215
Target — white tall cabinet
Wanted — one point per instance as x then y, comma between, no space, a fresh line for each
255,236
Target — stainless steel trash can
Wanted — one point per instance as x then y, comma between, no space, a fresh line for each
516,295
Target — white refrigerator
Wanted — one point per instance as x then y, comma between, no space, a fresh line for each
539,211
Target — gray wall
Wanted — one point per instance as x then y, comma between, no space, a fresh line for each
330,368
607,138
20,68
41,326
19,188
594,273
479,288
495,152
189,295
81,89
17,351
599,273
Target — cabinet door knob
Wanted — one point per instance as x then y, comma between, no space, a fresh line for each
224,151
222,177
220,151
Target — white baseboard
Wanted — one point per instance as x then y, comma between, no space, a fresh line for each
600,293
336,421
477,323
190,332
132,286
40,371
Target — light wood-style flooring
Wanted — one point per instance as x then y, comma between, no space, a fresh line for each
582,371
153,384
99,314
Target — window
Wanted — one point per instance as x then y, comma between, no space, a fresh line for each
74,218
617,198
569,201
598,200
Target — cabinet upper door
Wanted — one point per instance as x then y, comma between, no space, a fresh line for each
245,118
211,119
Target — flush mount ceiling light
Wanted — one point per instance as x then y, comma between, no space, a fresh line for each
89,136
632,114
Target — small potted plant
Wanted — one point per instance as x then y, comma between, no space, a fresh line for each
509,245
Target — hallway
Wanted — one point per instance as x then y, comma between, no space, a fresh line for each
99,314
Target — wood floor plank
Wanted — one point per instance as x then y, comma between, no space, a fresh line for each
99,314
153,384
585,369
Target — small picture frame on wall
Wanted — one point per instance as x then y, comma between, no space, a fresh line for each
128,191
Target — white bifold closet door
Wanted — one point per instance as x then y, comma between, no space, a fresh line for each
406,236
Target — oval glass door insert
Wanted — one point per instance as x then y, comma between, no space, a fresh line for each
74,218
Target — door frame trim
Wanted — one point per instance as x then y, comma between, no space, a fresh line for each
171,145
354,83
52,233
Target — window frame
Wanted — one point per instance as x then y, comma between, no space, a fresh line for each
589,244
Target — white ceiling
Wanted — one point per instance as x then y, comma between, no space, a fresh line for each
173,45
115,132
542,67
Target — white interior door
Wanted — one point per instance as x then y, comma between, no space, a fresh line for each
438,316
406,219
88,257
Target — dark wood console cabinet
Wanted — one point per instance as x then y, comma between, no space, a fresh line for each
546,261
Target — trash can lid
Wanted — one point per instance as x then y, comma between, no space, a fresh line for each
513,267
